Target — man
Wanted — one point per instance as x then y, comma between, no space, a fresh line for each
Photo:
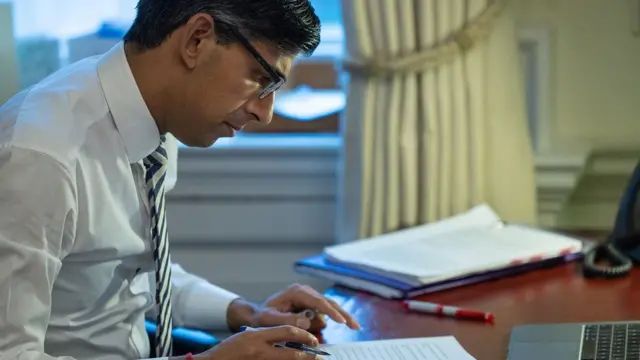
83,172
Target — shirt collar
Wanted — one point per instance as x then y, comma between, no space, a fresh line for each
133,119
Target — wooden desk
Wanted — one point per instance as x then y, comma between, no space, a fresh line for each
560,294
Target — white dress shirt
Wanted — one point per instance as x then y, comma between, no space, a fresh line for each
76,264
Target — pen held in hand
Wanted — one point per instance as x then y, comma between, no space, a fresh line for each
294,345
302,347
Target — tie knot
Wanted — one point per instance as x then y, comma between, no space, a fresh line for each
158,157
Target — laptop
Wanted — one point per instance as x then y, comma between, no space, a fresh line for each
576,341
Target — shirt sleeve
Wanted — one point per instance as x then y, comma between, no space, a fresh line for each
198,304
37,222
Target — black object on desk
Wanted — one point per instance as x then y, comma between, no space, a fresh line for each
622,249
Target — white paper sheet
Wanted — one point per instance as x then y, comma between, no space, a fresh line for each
432,348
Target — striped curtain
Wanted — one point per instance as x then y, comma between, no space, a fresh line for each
435,120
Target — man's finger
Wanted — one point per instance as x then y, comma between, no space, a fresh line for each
351,322
318,323
328,306
275,318
285,333
309,298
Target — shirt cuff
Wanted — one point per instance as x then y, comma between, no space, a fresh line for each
207,306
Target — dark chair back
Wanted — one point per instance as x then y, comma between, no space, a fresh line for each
626,231
628,217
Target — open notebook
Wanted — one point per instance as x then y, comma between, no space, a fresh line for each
432,348
473,242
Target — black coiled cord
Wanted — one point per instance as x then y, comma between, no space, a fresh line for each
618,263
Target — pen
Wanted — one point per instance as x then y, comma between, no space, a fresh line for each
294,345
445,310
302,347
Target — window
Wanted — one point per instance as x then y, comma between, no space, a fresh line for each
313,80
50,34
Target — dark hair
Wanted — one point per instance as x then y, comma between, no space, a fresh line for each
292,26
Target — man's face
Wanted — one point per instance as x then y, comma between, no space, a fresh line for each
223,86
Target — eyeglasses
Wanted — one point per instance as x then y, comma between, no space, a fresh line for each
277,78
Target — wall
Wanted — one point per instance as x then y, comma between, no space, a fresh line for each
595,70
594,201
241,216
593,99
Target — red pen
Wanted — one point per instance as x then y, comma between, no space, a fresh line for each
445,310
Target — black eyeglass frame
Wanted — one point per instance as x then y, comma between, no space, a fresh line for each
277,78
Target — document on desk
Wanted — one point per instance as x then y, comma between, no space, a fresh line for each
431,348
473,242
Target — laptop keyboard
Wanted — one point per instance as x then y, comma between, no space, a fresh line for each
611,342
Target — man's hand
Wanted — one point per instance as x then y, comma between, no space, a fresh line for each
283,309
258,344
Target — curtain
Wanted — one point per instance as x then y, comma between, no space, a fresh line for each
435,121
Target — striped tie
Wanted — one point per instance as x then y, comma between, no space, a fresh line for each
156,170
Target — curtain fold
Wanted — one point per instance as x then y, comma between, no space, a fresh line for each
435,118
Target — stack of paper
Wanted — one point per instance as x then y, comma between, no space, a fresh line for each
435,348
470,247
